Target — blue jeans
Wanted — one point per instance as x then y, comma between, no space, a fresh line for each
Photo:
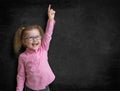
28,89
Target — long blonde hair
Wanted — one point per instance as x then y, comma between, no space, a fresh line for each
20,33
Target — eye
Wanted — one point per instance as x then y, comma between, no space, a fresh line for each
30,38
38,37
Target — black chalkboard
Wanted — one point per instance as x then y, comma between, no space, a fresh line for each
85,46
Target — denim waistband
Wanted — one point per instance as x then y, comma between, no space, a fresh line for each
28,89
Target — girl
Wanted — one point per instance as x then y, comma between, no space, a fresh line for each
33,68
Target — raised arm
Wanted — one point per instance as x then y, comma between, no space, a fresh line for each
49,29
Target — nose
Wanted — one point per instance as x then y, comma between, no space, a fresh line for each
34,39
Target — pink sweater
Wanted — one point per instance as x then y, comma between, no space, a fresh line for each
33,67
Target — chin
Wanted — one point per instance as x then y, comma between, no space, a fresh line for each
35,49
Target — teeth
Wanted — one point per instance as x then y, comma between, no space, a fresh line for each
35,44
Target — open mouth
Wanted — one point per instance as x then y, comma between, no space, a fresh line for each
35,44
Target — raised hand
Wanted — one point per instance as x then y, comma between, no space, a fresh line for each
51,12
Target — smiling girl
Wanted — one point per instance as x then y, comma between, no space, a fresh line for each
34,72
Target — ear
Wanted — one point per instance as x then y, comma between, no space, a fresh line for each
23,42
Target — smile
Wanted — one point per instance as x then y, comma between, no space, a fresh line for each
35,44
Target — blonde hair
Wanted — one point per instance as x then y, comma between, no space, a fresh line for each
19,36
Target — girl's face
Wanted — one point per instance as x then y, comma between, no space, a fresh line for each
32,39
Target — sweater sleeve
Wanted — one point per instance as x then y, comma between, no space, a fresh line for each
20,75
48,34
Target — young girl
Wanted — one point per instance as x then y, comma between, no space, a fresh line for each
34,72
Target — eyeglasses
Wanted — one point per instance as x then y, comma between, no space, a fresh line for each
31,38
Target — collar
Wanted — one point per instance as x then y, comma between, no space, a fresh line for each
28,50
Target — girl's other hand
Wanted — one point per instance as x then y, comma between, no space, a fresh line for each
51,12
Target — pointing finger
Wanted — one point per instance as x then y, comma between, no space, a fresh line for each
49,7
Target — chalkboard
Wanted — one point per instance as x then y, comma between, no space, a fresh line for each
85,47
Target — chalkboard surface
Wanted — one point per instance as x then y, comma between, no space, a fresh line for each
85,47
